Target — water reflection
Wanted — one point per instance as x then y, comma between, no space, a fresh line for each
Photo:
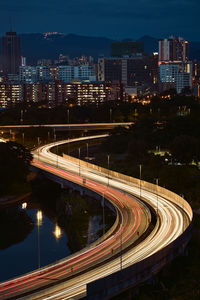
24,205
57,232
39,217
30,239
16,225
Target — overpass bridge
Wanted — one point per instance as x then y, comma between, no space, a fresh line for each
65,127
114,263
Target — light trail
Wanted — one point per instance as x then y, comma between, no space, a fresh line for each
102,258
71,126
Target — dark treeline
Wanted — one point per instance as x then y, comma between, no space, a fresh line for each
14,168
165,144
111,111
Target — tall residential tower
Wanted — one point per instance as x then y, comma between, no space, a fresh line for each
11,53
173,49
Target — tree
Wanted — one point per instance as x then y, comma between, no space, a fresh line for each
185,149
137,151
14,164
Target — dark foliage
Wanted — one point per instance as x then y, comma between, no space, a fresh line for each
14,164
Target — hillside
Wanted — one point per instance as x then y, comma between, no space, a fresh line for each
36,46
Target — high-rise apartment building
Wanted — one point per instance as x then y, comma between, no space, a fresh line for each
175,69
176,75
173,49
10,94
32,74
28,74
81,93
58,93
69,73
11,53
138,70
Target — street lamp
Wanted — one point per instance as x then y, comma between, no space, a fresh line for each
68,131
79,154
38,139
87,150
57,156
103,200
140,166
23,138
56,150
39,223
21,116
68,115
121,249
108,157
183,211
110,115
157,193
56,153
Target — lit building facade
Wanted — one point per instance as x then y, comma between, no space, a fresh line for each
69,73
10,94
134,71
176,75
27,74
81,93
33,74
59,93
173,49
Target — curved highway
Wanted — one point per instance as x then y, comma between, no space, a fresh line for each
116,250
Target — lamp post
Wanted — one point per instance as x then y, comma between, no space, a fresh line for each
87,150
56,149
56,153
121,249
103,200
38,139
57,156
140,166
87,153
23,138
183,212
68,115
157,193
110,115
79,155
108,157
68,131
39,223
21,116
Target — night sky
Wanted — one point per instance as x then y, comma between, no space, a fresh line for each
110,18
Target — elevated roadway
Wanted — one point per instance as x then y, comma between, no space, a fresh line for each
69,278
62,127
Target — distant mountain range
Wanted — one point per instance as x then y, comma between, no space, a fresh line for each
36,46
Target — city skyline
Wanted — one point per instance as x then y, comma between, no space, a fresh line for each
113,19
